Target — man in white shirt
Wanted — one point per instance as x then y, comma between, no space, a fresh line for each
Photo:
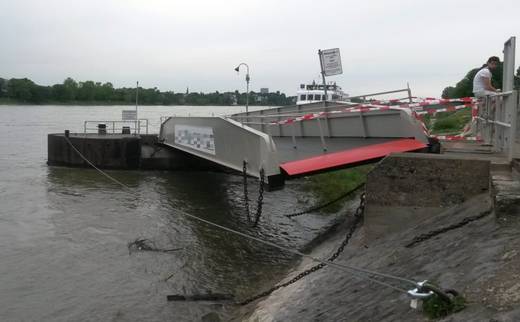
482,81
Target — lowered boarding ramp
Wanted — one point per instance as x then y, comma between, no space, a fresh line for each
293,141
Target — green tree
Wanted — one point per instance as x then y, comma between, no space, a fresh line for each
3,87
24,90
20,89
86,91
70,88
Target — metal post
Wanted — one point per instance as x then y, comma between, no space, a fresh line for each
321,135
293,134
323,76
409,92
513,105
237,69
247,92
509,65
136,100
362,120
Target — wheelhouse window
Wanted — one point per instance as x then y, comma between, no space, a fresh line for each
317,97
310,97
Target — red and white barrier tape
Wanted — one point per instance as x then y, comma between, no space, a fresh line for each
449,108
456,138
416,109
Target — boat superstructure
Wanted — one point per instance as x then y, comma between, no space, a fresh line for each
312,93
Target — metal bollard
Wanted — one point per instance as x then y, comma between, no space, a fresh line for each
67,133
102,129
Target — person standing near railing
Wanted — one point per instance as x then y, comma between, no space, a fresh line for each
482,82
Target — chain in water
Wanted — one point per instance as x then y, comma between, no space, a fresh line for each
319,207
358,217
260,199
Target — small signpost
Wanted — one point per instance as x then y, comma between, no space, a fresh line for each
330,61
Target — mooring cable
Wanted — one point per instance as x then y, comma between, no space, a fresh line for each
356,271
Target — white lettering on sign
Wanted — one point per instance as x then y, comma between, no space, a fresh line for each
196,137
331,62
129,115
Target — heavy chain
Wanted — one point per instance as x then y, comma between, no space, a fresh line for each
260,199
319,207
420,238
358,217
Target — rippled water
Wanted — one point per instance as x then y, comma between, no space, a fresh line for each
64,231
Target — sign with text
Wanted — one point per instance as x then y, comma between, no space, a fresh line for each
331,62
129,115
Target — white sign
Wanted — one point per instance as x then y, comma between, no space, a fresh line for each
196,137
129,115
331,62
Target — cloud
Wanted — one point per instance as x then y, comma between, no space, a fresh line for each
174,44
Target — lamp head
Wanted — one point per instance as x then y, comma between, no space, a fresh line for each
237,69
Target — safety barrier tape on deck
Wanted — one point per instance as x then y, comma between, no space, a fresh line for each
373,108
456,138
426,101
425,106
449,108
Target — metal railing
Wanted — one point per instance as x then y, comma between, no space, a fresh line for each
498,114
496,121
117,126
318,106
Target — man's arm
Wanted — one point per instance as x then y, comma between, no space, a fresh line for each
489,87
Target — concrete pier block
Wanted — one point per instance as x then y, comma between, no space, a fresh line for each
405,189
104,151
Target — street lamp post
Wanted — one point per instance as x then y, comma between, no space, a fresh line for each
237,69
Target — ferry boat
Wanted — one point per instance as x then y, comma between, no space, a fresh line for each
312,93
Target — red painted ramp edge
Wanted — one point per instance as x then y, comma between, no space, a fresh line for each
352,156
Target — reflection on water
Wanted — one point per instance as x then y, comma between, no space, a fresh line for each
65,232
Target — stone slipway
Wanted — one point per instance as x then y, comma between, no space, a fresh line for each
481,260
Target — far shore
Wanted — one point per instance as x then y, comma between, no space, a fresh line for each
7,102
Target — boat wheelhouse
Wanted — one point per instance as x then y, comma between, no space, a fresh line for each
312,93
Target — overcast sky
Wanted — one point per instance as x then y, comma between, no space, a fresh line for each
173,44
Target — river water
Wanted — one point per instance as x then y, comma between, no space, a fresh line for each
64,231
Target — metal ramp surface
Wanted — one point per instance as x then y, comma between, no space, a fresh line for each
294,141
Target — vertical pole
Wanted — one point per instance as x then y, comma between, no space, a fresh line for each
509,65
293,134
247,92
136,100
321,135
320,54
409,92
513,105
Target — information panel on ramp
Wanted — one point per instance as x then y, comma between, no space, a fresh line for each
196,137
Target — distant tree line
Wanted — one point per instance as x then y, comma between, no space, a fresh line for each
464,88
24,90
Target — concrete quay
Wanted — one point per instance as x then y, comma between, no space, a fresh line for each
118,151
